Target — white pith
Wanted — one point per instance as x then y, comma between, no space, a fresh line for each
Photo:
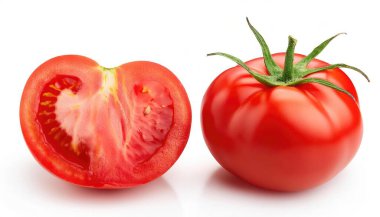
73,111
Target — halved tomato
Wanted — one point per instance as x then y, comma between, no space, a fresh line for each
104,127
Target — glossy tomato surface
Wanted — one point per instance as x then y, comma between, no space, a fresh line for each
285,138
101,127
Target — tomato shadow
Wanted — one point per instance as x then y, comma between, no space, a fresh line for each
227,195
221,178
46,185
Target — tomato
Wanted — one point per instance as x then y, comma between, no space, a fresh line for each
104,127
279,134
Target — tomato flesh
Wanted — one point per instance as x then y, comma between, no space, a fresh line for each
106,128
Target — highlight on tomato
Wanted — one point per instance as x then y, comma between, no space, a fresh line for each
104,127
284,121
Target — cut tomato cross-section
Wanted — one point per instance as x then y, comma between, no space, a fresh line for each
102,127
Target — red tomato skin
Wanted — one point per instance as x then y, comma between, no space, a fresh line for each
281,138
89,72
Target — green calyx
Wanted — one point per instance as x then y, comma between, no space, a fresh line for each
292,74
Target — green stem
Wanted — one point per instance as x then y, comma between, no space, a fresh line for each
272,67
316,51
289,58
307,72
322,82
292,74
264,79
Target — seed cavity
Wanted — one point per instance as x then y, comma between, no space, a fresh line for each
58,135
53,130
49,121
145,90
75,148
46,103
49,94
151,122
54,87
45,113
54,134
147,110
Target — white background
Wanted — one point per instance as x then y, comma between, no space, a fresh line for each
178,35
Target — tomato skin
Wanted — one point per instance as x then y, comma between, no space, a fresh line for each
281,138
90,74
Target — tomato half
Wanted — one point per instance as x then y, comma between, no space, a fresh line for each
101,127
280,134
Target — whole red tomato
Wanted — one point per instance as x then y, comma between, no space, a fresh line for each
104,127
285,122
